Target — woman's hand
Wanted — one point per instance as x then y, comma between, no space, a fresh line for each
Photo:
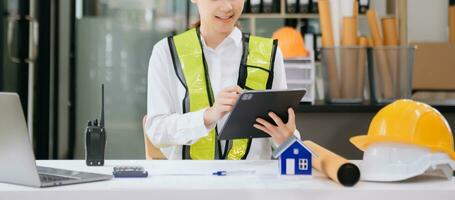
224,103
281,132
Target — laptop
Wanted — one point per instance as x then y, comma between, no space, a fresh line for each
17,159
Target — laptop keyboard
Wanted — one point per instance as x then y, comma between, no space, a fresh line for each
53,178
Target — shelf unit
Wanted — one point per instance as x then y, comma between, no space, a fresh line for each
399,6
282,15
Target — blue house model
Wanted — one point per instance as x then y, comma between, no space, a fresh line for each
294,157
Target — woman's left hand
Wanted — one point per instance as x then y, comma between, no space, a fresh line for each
282,131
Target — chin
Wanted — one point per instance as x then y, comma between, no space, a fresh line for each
225,28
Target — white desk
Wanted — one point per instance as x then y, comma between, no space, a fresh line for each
264,184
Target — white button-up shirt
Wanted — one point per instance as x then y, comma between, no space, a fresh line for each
167,127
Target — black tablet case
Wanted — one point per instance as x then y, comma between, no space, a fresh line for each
254,104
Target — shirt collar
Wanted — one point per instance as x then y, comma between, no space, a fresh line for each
235,36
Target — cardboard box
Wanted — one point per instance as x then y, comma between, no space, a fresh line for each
434,66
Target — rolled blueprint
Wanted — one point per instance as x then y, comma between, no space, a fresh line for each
327,41
452,23
356,8
363,43
374,27
349,31
326,23
390,31
335,15
349,59
370,42
384,73
334,166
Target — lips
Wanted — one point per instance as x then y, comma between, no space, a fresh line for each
225,18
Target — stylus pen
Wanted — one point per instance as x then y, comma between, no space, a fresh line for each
235,172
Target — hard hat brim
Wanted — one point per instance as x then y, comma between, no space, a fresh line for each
363,141
386,162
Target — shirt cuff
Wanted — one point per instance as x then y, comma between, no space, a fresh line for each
212,126
200,130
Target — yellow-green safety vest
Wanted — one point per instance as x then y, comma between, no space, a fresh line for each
255,73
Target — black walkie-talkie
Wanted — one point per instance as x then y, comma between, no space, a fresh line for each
95,138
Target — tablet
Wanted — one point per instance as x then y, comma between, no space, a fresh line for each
258,103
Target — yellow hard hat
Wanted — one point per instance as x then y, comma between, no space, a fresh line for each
409,122
290,42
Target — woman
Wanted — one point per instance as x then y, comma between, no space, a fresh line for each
186,70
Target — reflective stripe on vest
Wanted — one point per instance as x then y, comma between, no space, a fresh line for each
256,72
259,62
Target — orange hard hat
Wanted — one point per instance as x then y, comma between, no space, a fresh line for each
290,42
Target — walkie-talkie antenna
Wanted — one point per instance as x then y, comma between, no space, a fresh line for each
102,106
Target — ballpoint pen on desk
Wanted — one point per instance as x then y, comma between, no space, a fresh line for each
236,172
198,173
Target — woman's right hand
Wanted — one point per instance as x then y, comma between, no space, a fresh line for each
224,103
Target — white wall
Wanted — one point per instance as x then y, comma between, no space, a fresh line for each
427,20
